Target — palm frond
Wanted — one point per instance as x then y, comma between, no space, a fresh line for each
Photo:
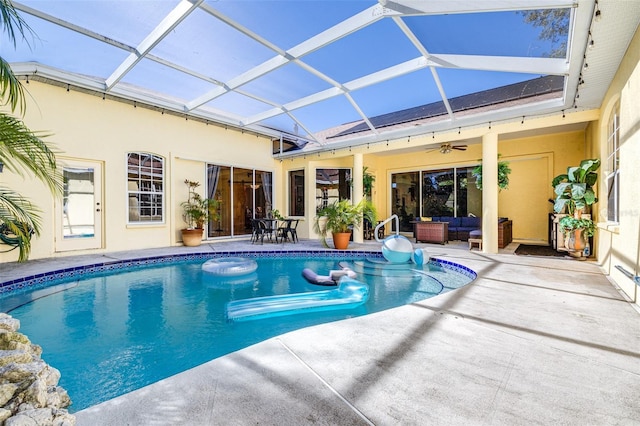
19,219
12,24
23,150
11,21
15,208
11,88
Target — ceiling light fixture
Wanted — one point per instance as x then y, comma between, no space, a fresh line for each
598,13
445,148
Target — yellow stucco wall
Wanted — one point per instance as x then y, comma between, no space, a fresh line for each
86,127
619,243
534,162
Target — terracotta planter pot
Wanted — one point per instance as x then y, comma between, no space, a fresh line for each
341,240
575,243
192,237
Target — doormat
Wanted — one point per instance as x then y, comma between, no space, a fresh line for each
535,250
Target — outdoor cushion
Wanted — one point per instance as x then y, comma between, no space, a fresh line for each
471,222
454,222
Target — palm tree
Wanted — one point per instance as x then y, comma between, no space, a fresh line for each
21,150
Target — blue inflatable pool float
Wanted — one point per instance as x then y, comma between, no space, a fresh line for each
349,294
397,249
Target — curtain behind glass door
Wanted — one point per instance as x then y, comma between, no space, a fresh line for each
219,188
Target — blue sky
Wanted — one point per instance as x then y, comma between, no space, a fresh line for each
209,47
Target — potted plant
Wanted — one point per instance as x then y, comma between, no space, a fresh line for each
503,175
340,218
574,195
367,182
195,212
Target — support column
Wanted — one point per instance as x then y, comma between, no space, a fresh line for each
310,197
490,193
358,192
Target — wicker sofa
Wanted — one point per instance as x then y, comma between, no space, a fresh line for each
458,228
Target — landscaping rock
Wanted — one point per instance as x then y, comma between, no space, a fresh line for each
29,391
7,322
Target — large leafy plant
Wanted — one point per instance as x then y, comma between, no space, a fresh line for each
197,210
342,216
574,190
569,224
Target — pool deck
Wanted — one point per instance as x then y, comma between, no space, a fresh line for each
533,340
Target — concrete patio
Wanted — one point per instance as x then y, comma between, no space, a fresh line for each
532,340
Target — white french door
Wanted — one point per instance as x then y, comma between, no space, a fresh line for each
79,212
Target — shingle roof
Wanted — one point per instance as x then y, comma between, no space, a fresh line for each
526,89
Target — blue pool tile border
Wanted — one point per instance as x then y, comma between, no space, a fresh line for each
43,279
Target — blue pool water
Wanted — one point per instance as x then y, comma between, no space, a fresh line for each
109,334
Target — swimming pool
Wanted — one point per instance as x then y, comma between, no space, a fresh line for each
110,332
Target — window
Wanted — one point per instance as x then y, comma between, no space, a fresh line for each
438,193
613,164
145,187
296,193
443,192
332,185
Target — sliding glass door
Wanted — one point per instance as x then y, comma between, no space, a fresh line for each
404,202
441,192
243,194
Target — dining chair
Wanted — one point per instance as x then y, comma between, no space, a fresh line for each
258,231
288,229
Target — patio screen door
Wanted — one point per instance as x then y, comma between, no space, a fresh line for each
79,212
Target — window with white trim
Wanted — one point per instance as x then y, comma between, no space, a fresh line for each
613,166
145,187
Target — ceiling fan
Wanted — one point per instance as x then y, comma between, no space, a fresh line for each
446,148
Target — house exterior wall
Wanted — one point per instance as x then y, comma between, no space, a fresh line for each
619,243
535,161
86,127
